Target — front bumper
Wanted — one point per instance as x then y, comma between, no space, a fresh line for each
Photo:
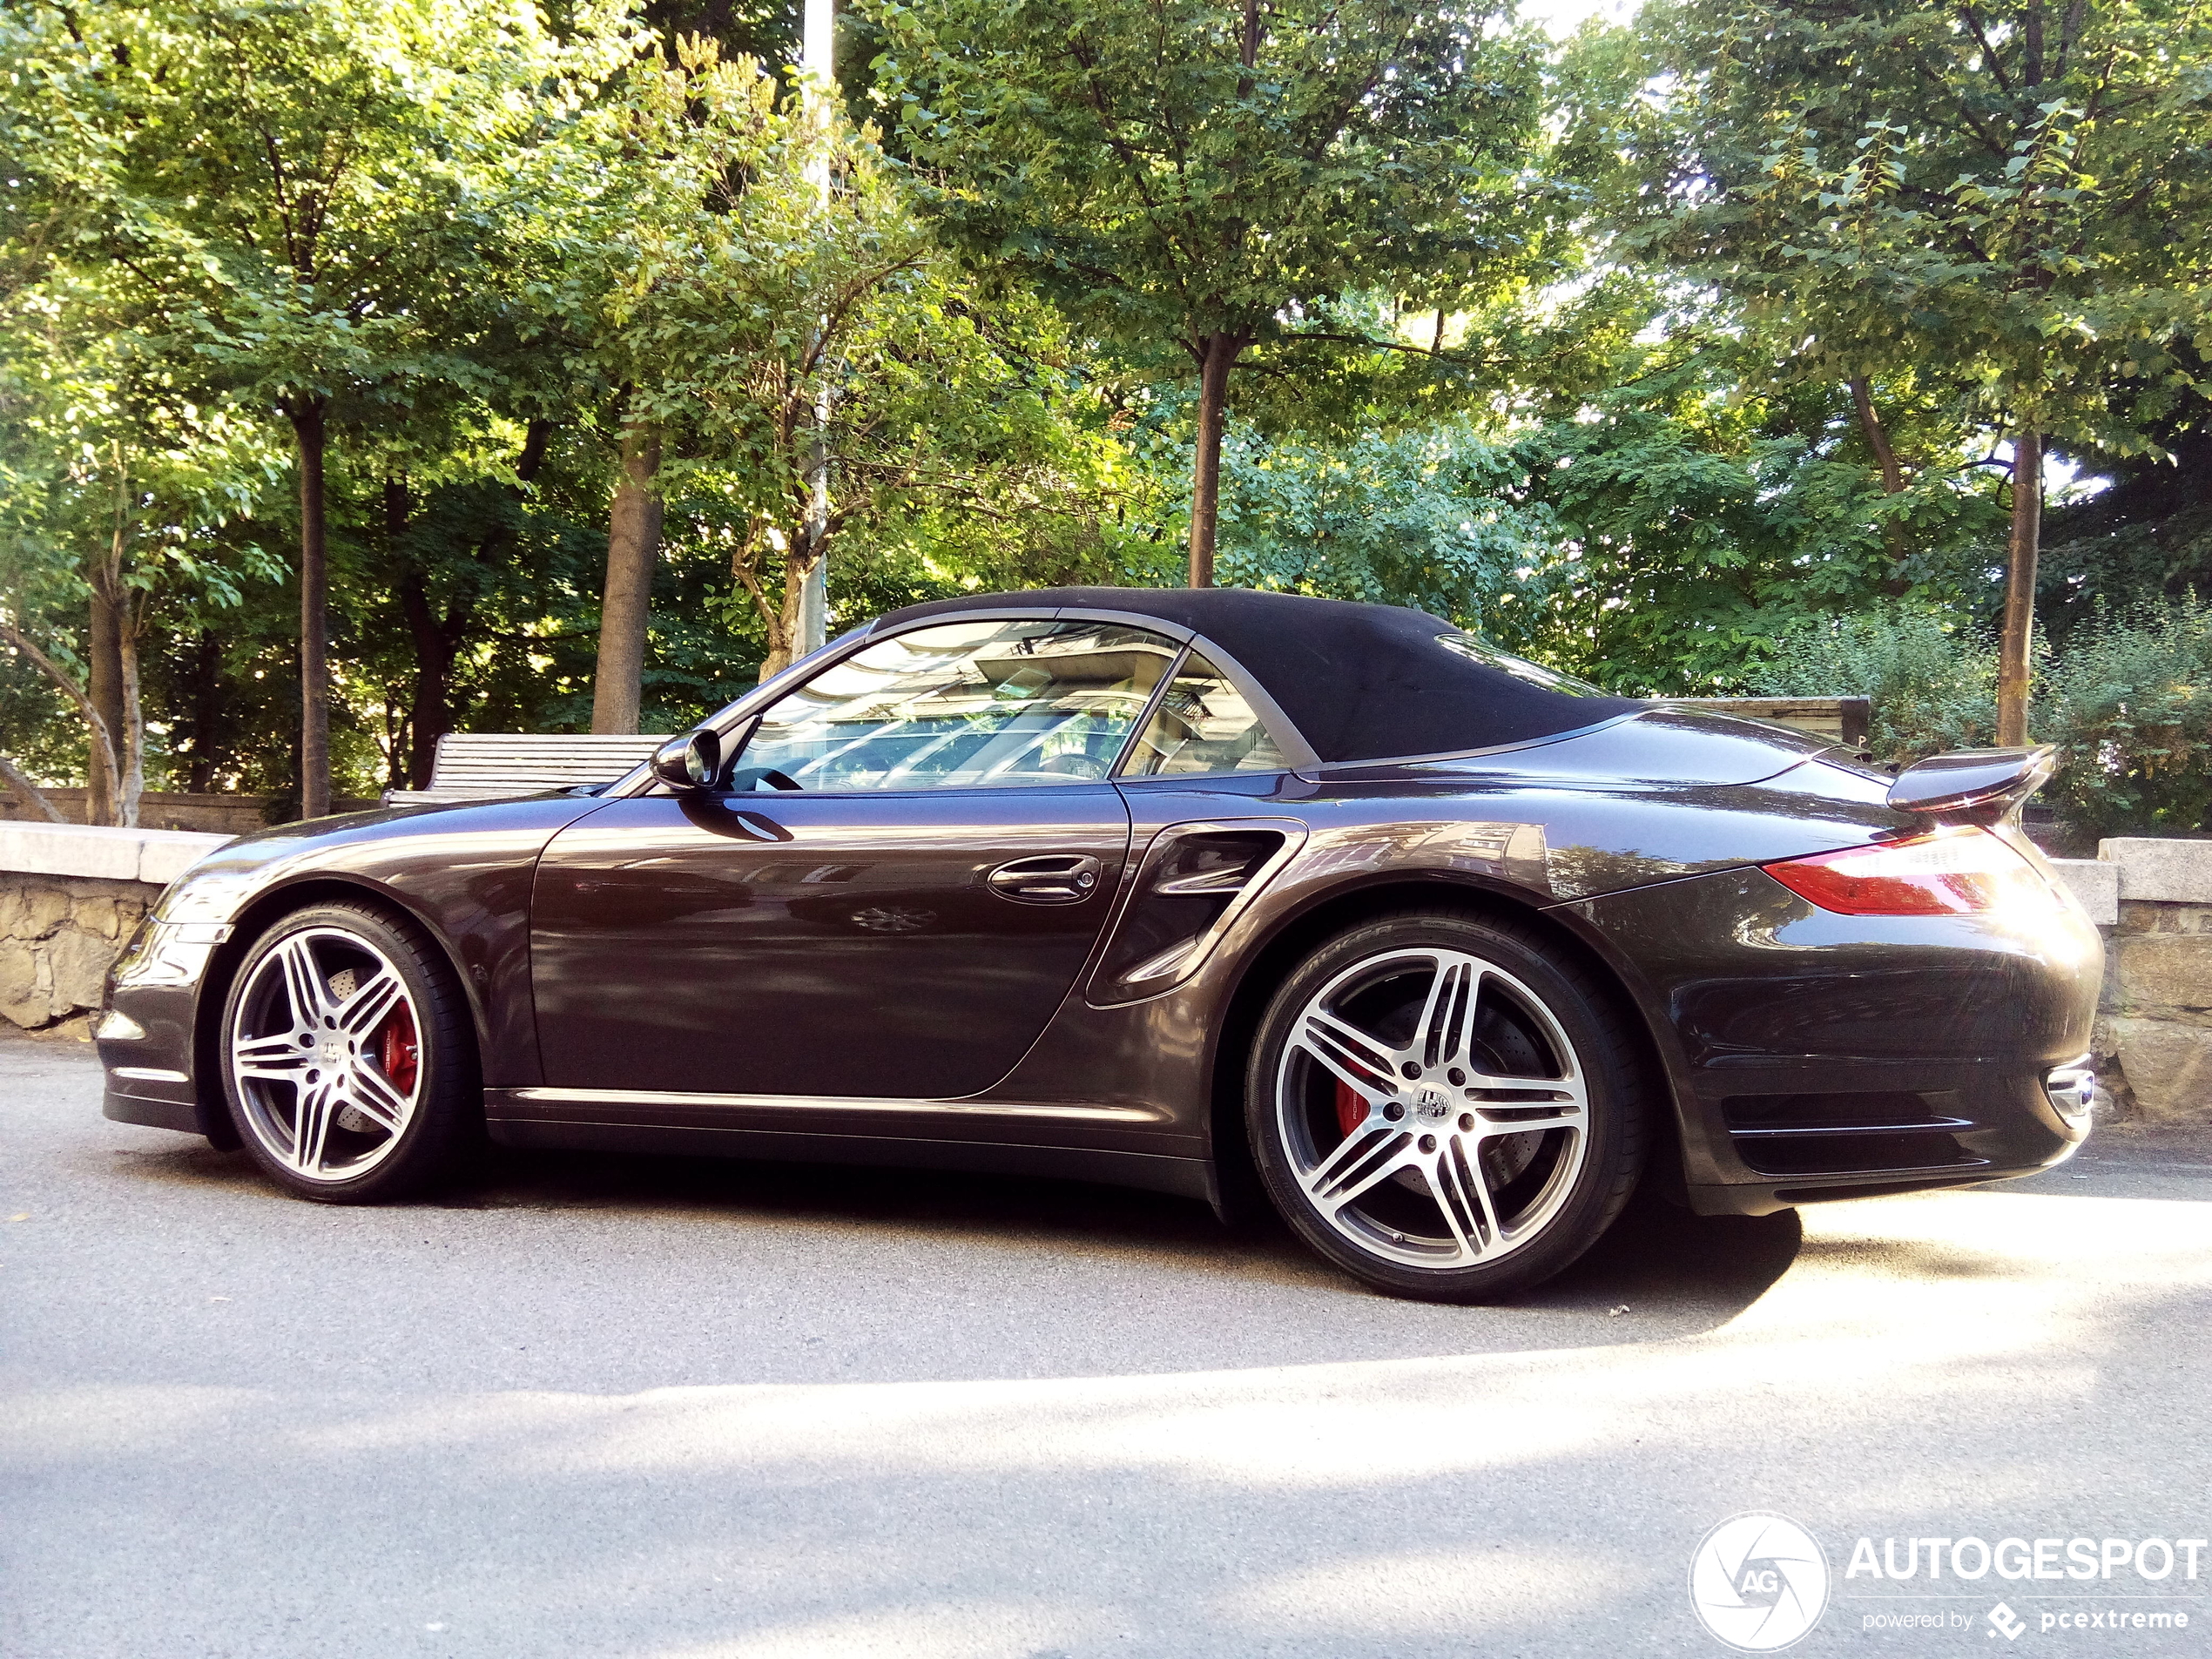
145,1033
1816,1056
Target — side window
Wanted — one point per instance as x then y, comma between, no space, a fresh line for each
1203,724
966,705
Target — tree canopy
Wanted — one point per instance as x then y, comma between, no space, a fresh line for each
1210,178
371,369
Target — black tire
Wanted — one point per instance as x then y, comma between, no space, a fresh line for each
276,1103
1448,1201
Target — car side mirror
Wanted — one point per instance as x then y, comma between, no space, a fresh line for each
689,761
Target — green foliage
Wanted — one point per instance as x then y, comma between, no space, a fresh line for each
1696,524
307,196
113,483
1932,681
479,250
717,295
2129,701
1671,356
1995,189
38,729
2147,533
1176,169
1178,175
1423,518
103,447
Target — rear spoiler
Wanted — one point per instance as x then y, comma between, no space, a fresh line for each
1983,784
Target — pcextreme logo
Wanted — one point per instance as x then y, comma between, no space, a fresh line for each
1758,1581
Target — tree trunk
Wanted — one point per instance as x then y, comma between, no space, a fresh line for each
430,707
785,626
1892,470
133,787
633,543
1877,438
103,684
430,711
116,610
1219,355
11,635
399,763
207,713
2022,551
314,614
438,639
27,793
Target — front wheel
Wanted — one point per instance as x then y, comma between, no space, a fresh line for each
345,1055
1446,1106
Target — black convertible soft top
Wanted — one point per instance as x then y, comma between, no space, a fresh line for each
1360,682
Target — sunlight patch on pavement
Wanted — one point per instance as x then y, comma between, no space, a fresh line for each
1415,1592
966,1630
1949,1306
116,1420
1939,1307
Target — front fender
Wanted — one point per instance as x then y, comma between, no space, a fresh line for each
463,872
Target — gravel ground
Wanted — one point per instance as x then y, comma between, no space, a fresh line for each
600,1406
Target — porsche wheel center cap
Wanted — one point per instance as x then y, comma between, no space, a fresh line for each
1431,1101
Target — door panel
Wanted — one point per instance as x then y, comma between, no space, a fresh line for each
850,944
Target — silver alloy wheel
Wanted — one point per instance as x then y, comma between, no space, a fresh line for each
1438,1126
324,1052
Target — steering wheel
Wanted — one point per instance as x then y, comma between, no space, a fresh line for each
1075,766
747,777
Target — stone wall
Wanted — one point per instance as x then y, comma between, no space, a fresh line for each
57,936
2154,1025
69,899
170,810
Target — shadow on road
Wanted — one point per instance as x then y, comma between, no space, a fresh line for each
1658,1252
1655,1252
1657,1259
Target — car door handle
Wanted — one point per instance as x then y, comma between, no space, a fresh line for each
1054,877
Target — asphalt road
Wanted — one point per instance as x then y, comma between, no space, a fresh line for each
635,1407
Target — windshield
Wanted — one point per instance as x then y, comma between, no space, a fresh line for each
1478,650
966,705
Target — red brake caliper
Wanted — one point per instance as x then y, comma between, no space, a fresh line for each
398,1051
1352,1110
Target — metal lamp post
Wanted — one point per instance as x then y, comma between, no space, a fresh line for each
816,68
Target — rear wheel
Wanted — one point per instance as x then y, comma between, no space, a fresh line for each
346,1062
1446,1105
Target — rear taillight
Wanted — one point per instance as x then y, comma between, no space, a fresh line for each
1954,871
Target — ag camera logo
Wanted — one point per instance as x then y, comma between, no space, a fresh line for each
1758,1581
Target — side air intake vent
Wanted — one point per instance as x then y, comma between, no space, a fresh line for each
1847,1134
1194,878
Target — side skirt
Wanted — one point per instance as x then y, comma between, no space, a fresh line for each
524,1117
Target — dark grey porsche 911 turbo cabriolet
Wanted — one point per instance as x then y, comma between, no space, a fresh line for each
1166,889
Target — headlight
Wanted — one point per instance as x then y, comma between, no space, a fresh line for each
202,898
165,953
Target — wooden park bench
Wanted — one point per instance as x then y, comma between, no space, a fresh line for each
488,766
1840,719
